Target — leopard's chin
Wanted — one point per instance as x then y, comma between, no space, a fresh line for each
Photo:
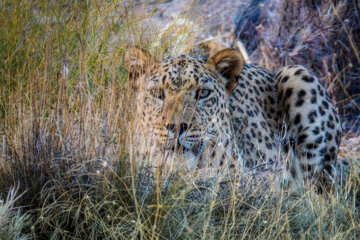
187,156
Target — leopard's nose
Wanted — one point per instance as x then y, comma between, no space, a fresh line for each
177,128
183,128
171,127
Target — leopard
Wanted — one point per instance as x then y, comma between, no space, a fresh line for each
221,114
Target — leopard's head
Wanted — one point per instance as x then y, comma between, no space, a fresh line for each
182,105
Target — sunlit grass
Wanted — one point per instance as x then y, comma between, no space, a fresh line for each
67,119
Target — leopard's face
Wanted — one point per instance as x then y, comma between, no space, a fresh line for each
182,107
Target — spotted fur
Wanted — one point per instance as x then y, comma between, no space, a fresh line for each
224,115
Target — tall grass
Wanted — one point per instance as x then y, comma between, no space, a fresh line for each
67,118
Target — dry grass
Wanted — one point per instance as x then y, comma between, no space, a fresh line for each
66,127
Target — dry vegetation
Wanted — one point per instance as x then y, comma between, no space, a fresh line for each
66,127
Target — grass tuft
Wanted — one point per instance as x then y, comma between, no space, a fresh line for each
12,221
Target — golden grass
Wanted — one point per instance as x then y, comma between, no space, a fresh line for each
66,127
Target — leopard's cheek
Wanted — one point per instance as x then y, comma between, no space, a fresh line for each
149,112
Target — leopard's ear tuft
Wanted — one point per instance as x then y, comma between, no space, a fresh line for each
228,63
137,62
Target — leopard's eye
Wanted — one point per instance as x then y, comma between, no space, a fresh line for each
157,93
202,93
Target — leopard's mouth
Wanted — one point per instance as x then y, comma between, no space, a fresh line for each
178,146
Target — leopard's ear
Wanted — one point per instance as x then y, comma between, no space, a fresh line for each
137,62
229,63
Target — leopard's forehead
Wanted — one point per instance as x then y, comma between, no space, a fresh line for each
182,72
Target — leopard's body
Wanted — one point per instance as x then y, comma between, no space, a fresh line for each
224,115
